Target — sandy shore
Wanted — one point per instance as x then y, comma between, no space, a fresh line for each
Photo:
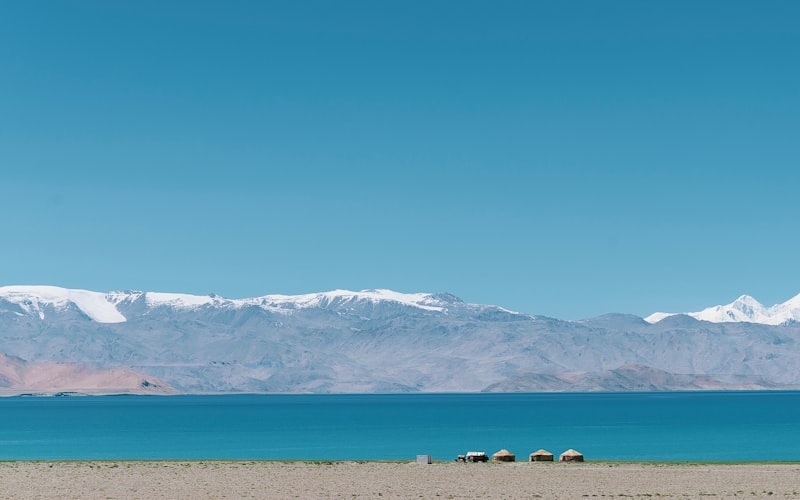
174,480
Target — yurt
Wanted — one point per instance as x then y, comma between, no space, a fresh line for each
541,456
571,456
503,456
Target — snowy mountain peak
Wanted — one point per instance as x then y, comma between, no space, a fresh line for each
744,309
746,300
794,302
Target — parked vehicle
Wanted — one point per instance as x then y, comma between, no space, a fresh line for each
477,456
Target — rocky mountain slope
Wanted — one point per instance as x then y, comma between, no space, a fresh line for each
19,376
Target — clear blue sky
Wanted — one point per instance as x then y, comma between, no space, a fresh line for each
559,158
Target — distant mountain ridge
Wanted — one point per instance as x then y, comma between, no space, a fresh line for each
628,378
383,341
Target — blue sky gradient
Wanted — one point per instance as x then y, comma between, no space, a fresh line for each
559,158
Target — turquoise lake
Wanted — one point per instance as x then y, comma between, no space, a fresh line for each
686,426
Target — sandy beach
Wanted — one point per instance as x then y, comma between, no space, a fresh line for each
246,479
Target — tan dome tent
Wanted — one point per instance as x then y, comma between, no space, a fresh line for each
503,456
541,456
571,456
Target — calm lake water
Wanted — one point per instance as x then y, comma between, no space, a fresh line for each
699,426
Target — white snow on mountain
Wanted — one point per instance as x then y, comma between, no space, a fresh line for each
177,300
419,300
744,309
423,301
103,307
34,299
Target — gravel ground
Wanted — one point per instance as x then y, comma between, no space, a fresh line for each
230,479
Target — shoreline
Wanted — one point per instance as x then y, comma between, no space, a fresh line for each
393,479
334,461
92,393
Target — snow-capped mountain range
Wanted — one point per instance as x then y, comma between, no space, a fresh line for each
105,307
381,341
744,309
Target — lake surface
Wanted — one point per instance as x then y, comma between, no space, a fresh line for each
690,426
